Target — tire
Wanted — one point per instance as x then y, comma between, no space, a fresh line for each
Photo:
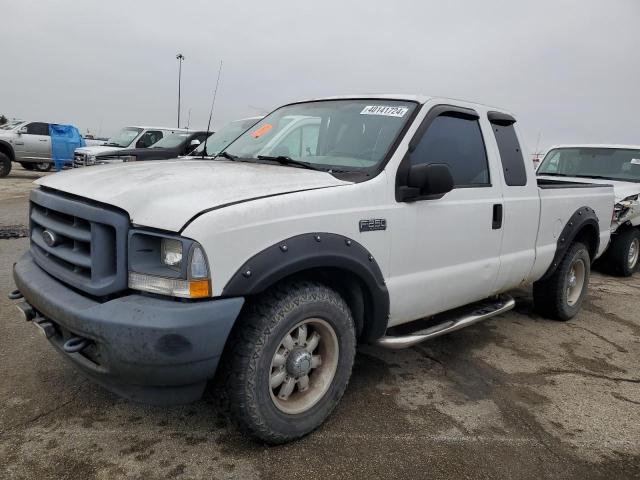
623,253
5,165
42,166
553,297
27,165
258,359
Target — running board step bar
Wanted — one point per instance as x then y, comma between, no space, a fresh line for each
451,321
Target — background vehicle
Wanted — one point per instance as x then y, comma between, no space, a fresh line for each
385,219
25,142
224,137
617,165
170,146
128,137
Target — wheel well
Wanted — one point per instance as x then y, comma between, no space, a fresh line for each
7,150
588,235
353,290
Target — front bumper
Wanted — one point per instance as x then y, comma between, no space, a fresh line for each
148,349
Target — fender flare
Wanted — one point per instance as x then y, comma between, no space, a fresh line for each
6,145
311,251
583,217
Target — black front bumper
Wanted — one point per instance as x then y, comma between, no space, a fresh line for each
148,349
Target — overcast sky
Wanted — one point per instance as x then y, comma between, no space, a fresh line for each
569,69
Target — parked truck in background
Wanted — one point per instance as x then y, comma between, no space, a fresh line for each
619,166
127,137
387,219
27,143
170,146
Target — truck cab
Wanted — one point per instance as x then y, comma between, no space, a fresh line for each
383,219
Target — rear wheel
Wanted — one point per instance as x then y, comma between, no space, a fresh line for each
560,296
290,362
5,165
43,166
624,252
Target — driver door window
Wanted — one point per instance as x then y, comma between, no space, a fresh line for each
149,138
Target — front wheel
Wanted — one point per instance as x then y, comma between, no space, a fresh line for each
5,165
291,360
560,296
624,251
43,166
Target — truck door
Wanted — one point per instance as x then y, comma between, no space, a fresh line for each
37,142
446,251
520,206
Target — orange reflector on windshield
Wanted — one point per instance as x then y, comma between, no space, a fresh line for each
262,130
198,288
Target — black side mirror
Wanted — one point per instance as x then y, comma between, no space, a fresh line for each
427,181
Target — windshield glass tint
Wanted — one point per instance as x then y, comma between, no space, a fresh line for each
224,136
340,134
610,163
124,137
171,141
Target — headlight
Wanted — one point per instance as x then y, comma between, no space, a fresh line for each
167,265
171,253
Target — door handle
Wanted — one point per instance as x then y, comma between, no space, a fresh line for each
42,139
496,223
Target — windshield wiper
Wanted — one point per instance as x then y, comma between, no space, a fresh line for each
226,155
284,160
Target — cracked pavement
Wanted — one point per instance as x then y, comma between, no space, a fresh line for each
514,397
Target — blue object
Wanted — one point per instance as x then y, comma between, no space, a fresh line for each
64,140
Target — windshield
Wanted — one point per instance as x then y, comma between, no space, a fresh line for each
610,163
124,137
11,124
170,141
347,135
223,137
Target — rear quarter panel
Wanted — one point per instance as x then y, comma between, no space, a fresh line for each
557,205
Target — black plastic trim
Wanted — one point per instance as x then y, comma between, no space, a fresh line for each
584,216
315,251
501,118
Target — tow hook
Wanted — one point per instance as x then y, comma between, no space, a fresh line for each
15,295
75,344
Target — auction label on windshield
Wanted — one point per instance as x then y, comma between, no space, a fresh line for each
385,110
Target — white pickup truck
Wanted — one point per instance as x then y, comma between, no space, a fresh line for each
386,219
619,166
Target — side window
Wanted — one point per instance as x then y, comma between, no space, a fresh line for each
38,128
513,167
310,135
149,138
458,142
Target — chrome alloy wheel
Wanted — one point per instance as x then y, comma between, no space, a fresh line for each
575,281
303,366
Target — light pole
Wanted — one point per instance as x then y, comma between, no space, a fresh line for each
180,58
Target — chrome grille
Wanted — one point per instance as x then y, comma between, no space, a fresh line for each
78,242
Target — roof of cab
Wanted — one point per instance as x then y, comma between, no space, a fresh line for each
419,98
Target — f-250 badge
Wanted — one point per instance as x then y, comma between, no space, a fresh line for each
373,224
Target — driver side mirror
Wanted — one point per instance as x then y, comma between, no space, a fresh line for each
195,142
427,182
22,130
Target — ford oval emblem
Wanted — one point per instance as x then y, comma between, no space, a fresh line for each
49,238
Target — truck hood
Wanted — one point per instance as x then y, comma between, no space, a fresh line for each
621,189
166,194
96,149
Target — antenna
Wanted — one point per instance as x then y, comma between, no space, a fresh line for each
215,92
